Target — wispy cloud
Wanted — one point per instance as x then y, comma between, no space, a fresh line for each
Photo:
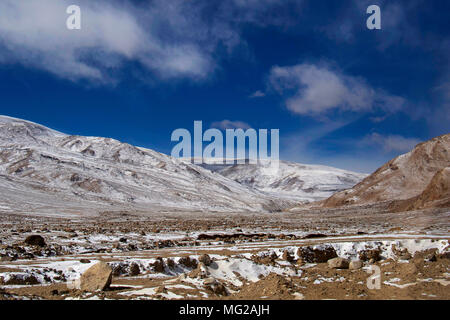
167,39
257,94
228,124
391,143
34,34
310,89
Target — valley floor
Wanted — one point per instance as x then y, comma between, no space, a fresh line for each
229,256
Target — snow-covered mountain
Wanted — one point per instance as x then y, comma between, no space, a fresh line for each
291,180
45,171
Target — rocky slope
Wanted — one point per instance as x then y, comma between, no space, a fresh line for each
44,171
419,178
435,195
293,180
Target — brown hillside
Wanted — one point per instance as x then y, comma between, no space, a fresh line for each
402,178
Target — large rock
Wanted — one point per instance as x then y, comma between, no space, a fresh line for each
97,277
319,254
135,270
35,240
355,265
287,256
159,265
370,254
338,263
206,259
188,262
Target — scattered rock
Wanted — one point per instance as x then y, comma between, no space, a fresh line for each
20,279
445,255
319,254
219,289
209,281
367,255
200,272
287,256
85,261
35,240
158,265
314,236
6,259
205,259
97,277
405,256
188,262
355,265
134,269
338,263
431,258
161,289
170,263
119,270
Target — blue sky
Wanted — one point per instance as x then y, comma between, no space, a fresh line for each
341,94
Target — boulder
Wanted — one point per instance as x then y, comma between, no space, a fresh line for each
188,262
371,254
338,263
320,254
205,259
134,269
355,265
287,256
35,240
98,277
158,265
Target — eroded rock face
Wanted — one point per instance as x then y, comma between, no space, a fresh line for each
98,277
316,255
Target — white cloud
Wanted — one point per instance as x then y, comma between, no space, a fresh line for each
228,124
169,39
391,143
310,89
34,33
